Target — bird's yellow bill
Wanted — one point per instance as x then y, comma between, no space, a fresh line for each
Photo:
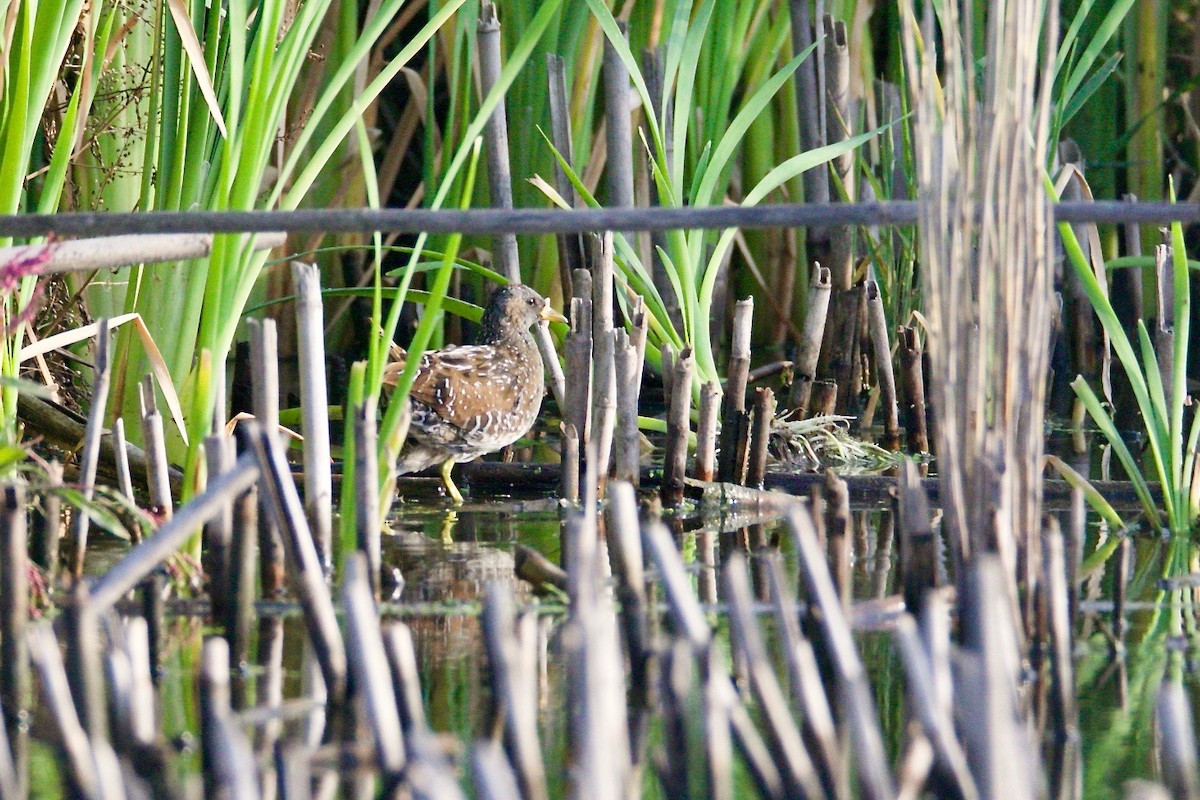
550,315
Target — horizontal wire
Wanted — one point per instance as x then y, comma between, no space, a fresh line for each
544,220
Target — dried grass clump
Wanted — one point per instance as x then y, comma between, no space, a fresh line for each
825,441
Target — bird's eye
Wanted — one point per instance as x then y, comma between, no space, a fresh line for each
531,302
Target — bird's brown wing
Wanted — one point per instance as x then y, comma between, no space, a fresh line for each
463,385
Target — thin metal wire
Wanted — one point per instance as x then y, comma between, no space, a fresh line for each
543,220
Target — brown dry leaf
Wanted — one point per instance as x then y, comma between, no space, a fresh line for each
187,35
157,364
232,424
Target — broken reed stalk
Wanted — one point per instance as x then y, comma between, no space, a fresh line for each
81,628
265,361
135,728
838,122
934,719
626,438
595,673
570,245
568,488
491,774
239,622
918,557
804,679
123,576
111,252
706,431
885,375
314,408
625,556
875,780
512,691
368,668
578,357
229,769
809,348
760,437
369,537
678,429
731,468
838,542
639,327
90,458
604,378
406,678
1177,738
83,772
912,373
989,647
121,456
15,677
604,407
308,575
217,553
783,737
158,480
1065,762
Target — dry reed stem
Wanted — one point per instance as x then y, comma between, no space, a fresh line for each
986,278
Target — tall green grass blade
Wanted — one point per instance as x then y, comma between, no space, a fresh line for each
1109,429
1095,46
1096,500
1089,88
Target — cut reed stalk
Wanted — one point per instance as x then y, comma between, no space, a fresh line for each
626,439
760,437
678,430
885,376
912,372
368,668
121,459
158,471
314,409
265,387
90,458
217,553
305,568
729,466
706,431
368,537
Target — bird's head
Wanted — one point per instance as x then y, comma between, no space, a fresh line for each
513,310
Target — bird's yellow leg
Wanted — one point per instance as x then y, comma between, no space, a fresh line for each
455,494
